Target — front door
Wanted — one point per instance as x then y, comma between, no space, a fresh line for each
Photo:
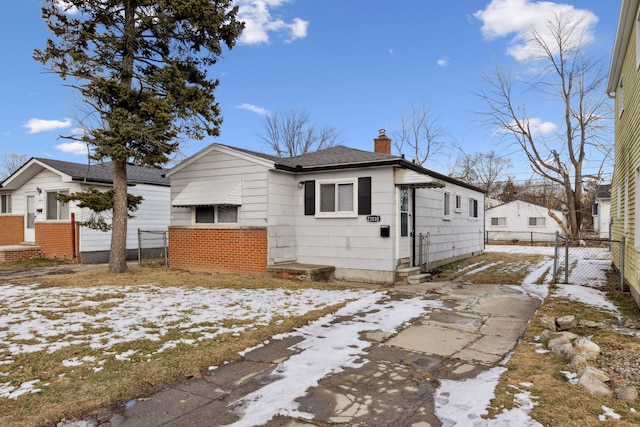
30,219
404,223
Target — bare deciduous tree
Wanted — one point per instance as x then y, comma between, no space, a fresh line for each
419,133
10,163
292,132
482,170
570,82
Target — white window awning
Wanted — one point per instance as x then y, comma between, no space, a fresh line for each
210,193
415,179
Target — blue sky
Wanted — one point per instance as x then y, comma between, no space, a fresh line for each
356,65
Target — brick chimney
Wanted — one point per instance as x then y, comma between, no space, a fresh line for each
382,144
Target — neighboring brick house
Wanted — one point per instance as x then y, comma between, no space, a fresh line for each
623,84
361,212
32,217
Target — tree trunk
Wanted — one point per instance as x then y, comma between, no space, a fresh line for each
118,256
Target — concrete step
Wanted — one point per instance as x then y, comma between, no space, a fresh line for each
418,278
407,271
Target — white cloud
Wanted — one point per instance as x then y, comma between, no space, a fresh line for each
259,23
537,126
442,62
254,108
516,18
67,7
40,125
75,147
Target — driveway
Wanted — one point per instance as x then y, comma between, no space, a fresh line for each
436,368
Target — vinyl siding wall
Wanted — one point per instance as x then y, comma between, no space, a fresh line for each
627,161
152,214
352,245
453,237
517,226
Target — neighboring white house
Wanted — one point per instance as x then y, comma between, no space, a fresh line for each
32,216
361,212
602,211
521,221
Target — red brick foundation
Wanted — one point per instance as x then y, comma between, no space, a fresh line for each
11,229
229,250
56,240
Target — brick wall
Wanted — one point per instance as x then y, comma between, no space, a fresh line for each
11,229
230,250
56,239
14,255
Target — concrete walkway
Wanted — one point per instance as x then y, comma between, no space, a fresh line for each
478,326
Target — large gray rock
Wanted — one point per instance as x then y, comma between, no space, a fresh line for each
548,322
628,393
578,362
565,323
586,347
594,386
562,350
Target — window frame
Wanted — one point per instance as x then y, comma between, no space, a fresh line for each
620,96
473,208
638,42
353,213
6,204
61,209
536,218
498,222
458,203
216,213
446,205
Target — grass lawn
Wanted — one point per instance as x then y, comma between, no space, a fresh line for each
559,403
78,344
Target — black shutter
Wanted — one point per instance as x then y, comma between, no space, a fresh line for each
309,197
364,195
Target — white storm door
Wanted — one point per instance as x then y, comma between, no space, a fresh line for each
30,219
404,222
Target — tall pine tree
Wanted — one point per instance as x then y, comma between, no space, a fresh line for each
141,66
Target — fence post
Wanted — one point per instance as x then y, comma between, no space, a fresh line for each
566,259
420,249
139,250
166,255
555,258
622,245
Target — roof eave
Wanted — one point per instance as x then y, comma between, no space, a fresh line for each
623,33
398,162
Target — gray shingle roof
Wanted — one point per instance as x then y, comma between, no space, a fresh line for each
103,172
338,155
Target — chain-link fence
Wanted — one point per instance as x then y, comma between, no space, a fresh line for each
519,238
152,247
585,262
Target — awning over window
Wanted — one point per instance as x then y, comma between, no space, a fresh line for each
414,179
210,193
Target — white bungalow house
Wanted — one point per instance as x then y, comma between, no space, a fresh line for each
602,212
521,221
34,223
363,214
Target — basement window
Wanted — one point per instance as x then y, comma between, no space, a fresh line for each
217,214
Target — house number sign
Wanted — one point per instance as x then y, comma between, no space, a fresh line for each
373,218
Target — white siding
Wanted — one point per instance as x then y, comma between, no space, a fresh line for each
152,214
458,235
222,166
283,194
517,226
350,243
